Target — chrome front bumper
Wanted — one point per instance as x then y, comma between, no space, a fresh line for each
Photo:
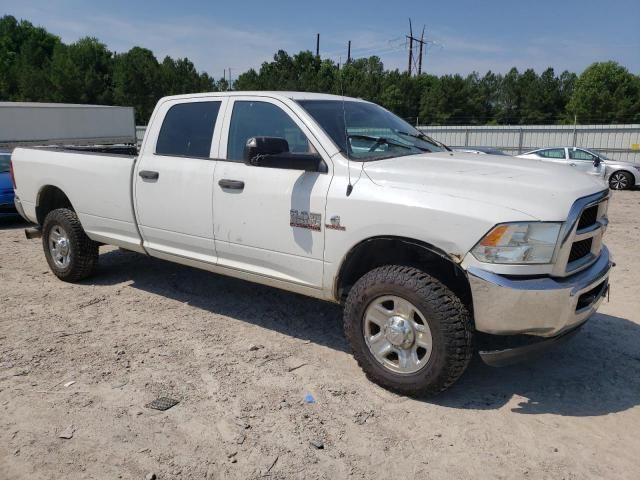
544,307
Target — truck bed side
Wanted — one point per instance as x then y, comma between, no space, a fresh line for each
98,185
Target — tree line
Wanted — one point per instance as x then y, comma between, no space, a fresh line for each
36,65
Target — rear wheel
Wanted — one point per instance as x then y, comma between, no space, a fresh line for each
409,332
71,255
620,180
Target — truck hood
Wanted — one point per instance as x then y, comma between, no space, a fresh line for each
545,191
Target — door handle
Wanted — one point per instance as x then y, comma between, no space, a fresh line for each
231,184
149,175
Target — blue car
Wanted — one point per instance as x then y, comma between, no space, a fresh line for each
7,208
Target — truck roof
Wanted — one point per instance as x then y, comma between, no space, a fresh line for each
271,94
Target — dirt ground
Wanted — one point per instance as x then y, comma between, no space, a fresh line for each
241,357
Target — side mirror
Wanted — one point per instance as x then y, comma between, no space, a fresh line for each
273,152
260,146
597,161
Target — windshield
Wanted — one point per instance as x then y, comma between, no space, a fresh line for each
365,131
4,162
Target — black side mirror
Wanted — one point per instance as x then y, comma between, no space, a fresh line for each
260,146
597,161
273,152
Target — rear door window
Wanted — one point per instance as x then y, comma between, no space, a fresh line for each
555,153
187,129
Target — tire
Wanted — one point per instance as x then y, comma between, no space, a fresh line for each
446,316
620,180
75,258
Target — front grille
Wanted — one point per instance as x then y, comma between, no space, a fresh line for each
588,217
581,246
587,298
580,249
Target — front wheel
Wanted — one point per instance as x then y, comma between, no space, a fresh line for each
409,332
620,181
71,255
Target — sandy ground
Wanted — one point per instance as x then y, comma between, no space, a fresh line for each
241,357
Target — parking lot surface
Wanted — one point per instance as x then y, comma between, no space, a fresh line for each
82,361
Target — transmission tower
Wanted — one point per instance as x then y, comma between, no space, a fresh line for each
420,42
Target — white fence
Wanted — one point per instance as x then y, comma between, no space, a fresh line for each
620,142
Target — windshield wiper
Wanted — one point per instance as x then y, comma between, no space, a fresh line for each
380,141
424,138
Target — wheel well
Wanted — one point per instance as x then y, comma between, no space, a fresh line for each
379,251
49,199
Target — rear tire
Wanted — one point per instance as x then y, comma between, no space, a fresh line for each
437,315
620,180
71,255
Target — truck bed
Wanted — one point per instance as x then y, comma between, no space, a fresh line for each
97,183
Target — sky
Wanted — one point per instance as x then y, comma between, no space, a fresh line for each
463,35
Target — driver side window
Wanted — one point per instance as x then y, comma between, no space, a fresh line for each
263,119
575,154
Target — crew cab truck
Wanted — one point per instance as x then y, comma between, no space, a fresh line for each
433,253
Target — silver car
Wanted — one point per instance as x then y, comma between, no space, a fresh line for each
620,175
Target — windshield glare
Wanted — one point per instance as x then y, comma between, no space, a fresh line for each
365,131
4,162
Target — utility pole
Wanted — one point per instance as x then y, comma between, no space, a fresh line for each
317,45
349,52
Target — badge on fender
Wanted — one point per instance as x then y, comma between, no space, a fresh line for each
335,224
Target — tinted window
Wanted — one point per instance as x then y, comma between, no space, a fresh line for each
187,129
261,119
552,153
575,154
4,162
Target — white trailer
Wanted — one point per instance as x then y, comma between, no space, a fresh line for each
27,123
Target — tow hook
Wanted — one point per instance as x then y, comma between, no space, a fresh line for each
33,232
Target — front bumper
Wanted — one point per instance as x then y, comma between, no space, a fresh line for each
545,307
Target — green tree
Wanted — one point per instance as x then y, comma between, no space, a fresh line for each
606,93
180,76
137,81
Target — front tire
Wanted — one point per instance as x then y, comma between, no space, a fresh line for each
620,180
408,331
71,255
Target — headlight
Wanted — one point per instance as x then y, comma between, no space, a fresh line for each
533,242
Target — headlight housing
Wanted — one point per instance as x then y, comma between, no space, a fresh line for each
519,243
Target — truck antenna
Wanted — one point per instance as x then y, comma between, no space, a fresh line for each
346,135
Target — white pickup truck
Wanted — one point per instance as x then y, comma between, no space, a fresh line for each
434,253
